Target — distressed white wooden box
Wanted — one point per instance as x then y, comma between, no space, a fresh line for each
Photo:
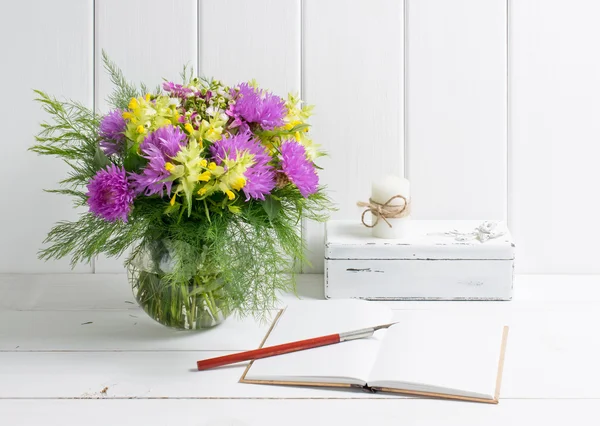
427,264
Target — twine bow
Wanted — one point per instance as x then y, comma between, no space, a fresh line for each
384,211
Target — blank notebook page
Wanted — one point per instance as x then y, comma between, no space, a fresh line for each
308,319
453,354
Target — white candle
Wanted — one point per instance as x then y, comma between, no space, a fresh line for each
381,192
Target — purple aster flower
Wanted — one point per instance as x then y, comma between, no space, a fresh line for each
177,90
296,166
252,105
111,132
158,148
168,140
109,194
260,177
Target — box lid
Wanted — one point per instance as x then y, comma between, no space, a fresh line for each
427,240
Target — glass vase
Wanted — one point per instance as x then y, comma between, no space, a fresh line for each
193,300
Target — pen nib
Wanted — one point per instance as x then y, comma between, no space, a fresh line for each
379,327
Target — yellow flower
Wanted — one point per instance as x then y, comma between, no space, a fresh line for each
146,116
172,202
290,125
189,128
212,165
298,115
202,191
204,176
213,128
187,171
203,162
169,166
230,176
239,183
133,104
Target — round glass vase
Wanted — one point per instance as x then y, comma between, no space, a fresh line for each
198,301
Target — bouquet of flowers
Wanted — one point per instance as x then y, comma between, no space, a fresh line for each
202,184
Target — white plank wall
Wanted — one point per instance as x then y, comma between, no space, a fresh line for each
353,73
456,108
149,40
554,149
435,112
51,50
241,40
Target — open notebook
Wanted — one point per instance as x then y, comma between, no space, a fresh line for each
430,356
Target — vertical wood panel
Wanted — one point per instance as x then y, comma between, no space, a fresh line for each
555,128
456,108
46,46
149,40
353,73
241,40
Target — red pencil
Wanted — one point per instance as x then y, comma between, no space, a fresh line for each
285,348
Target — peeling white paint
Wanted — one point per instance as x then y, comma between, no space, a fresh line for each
427,265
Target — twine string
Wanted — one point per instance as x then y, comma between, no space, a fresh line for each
384,211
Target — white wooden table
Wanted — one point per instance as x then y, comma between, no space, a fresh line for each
74,349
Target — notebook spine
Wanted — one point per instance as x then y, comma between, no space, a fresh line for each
365,388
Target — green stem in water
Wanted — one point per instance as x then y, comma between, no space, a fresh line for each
214,304
192,313
187,304
210,306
